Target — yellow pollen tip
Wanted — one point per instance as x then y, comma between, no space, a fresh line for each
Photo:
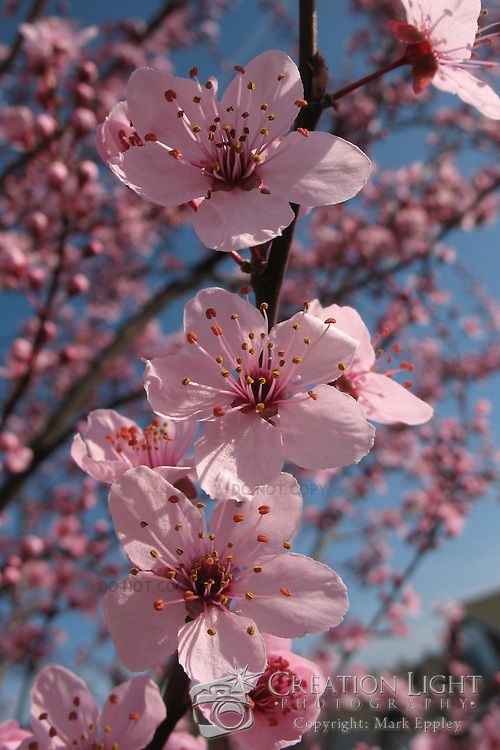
196,129
296,360
249,595
257,569
251,86
134,571
281,76
256,158
260,406
285,591
150,137
211,631
287,545
271,117
296,327
251,630
264,131
178,526
341,366
234,316
225,373
262,381
143,524
211,537
219,359
186,380
249,380
276,373
307,340
154,554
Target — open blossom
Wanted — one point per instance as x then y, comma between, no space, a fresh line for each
285,700
208,593
254,391
442,38
64,714
181,144
11,735
110,444
381,398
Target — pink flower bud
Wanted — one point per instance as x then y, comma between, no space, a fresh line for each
78,284
57,174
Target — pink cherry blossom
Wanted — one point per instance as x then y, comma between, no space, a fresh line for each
64,713
442,38
185,741
11,735
233,154
253,390
110,444
209,593
285,698
381,398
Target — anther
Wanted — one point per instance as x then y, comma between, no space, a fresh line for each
186,380
281,76
170,95
72,716
296,360
285,591
234,316
175,153
264,510
150,137
296,327
239,69
154,554
300,103
238,518
257,569
251,86
264,131
312,395
303,131
143,524
201,506
209,85
134,571
260,406
263,538
44,715
276,373
307,340
210,313
251,630
134,716
330,320
193,72
179,551
178,526
225,373
218,411
211,631
173,499
249,596
216,330
196,129
271,117
341,366
287,545
113,698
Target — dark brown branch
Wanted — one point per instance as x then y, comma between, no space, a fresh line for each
267,281
177,701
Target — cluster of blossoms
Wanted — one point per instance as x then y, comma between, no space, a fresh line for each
234,398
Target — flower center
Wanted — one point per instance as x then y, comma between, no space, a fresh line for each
283,682
209,576
150,447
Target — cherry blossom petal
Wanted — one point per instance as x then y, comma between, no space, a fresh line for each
320,359
235,219
470,89
168,395
136,698
143,636
276,83
384,400
210,655
293,595
236,453
92,451
349,320
215,306
451,25
145,519
151,112
274,512
327,432
112,134
315,171
152,172
185,741
66,700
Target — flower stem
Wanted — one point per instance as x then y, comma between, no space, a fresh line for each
331,98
